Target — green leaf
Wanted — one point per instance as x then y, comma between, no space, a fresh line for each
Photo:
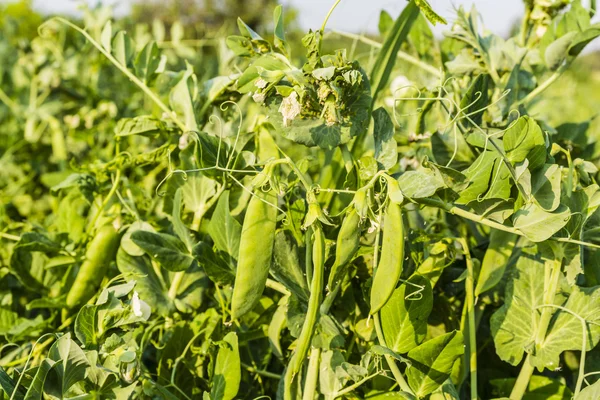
495,260
178,226
168,250
218,266
147,62
556,53
285,266
420,183
565,330
525,140
278,31
478,175
181,98
386,152
148,284
227,376
514,325
476,98
143,125
123,48
545,186
106,36
70,365
591,392
431,15
225,230
386,59
86,326
538,388
36,389
385,22
539,225
432,362
404,317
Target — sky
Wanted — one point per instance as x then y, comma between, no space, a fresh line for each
354,15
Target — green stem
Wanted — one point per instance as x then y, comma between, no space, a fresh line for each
278,287
261,372
549,294
401,54
9,236
126,72
431,202
312,314
177,278
545,85
329,15
470,304
390,360
356,385
310,385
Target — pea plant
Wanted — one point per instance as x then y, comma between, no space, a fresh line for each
261,218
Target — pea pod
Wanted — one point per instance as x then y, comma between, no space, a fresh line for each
347,244
314,302
256,249
390,263
100,252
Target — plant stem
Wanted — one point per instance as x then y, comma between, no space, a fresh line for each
177,278
549,294
261,372
488,222
126,72
470,304
329,15
278,287
351,388
310,385
545,85
522,380
401,54
8,236
390,360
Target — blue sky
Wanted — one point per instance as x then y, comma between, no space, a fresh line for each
353,15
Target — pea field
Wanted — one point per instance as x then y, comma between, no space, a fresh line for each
237,208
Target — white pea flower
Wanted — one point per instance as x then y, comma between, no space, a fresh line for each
373,226
140,307
184,141
290,108
260,83
259,97
400,87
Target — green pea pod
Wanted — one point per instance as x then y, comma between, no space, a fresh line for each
314,302
100,252
390,263
256,249
347,244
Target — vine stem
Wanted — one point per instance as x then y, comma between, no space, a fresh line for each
470,305
545,85
310,385
550,288
261,372
401,54
329,15
488,222
125,71
351,388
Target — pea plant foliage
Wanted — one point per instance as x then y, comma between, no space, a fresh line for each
272,219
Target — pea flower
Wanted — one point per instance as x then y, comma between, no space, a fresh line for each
290,108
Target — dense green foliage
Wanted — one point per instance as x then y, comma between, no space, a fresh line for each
249,216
